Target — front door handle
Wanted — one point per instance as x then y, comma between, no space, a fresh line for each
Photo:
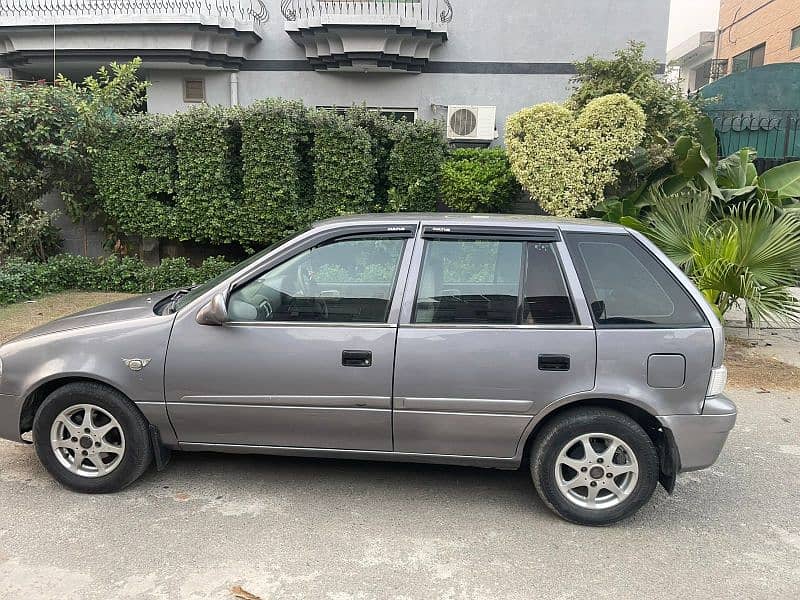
356,358
554,362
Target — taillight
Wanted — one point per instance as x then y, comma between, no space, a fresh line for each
716,384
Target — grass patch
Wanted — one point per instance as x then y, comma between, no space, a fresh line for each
18,318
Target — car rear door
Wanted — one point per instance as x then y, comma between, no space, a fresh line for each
489,335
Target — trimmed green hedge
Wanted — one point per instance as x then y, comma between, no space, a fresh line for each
254,174
415,166
21,280
478,181
344,166
276,193
135,176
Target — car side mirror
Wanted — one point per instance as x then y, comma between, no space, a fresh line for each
215,312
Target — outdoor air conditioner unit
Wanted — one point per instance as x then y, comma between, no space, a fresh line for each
471,123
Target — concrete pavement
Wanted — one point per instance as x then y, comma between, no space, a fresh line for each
286,528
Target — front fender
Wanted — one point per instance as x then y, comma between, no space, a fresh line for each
95,353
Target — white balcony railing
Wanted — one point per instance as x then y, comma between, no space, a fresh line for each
254,11
436,11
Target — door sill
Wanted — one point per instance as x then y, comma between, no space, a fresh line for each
490,462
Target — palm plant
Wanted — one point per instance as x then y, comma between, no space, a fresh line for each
751,255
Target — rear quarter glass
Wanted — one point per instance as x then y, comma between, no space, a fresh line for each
627,287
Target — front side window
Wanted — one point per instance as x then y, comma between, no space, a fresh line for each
485,282
345,281
626,286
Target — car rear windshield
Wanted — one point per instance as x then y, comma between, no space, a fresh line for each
626,286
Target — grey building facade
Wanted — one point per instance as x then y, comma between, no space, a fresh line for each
417,58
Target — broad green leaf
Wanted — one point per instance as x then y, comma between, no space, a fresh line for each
634,223
696,160
708,138
674,184
730,195
737,170
783,180
682,146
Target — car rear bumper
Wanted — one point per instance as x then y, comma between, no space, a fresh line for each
699,438
10,407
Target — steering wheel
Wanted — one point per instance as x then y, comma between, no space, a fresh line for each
265,310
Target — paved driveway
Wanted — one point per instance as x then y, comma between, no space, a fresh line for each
294,528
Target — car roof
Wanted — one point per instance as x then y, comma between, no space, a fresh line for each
493,220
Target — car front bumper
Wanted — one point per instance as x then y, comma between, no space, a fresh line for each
699,438
10,408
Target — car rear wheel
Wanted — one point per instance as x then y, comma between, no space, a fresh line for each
91,438
594,466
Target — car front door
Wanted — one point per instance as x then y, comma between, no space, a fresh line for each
306,358
490,336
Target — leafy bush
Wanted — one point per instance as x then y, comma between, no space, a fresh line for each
751,255
21,280
415,166
669,114
380,129
49,135
565,159
344,166
478,181
275,199
208,188
135,176
29,235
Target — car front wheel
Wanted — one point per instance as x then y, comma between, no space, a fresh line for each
91,438
594,466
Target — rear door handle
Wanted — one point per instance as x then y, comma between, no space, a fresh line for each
356,358
554,362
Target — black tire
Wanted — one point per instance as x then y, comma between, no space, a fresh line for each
566,427
138,452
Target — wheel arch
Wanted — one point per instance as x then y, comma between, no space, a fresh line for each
35,398
661,437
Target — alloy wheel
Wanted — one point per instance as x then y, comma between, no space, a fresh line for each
87,440
596,471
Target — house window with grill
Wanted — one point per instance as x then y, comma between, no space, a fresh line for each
194,90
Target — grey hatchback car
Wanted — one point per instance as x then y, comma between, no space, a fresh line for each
572,347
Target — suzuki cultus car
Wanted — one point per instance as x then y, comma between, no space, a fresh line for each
575,349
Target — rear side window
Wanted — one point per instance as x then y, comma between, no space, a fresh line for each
545,300
486,282
627,286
